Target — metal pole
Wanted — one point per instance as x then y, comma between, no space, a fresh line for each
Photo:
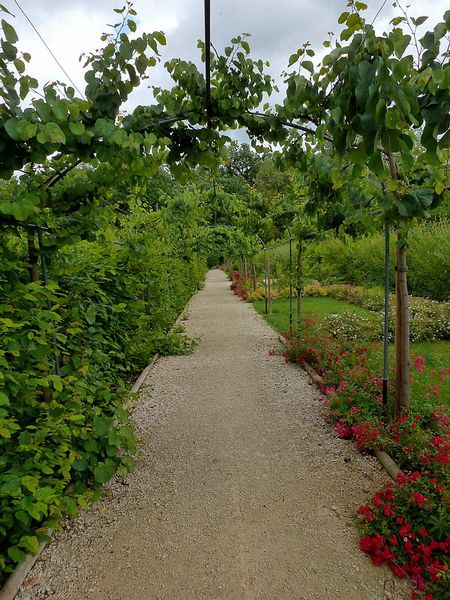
208,57
299,284
269,287
386,317
290,286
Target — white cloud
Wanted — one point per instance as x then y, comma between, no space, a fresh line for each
277,27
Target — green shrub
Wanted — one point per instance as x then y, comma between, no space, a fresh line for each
106,310
361,262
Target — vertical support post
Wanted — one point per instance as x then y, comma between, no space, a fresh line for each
255,283
299,284
269,287
266,279
290,287
208,58
49,302
33,256
386,317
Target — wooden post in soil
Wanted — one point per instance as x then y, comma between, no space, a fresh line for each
269,287
402,383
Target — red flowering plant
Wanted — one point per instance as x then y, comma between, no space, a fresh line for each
239,284
406,524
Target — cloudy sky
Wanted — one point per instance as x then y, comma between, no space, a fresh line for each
278,28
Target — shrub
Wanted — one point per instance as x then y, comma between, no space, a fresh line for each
406,523
361,262
109,311
429,320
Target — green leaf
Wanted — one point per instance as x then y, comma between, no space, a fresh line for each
392,118
161,38
104,129
57,382
16,554
376,165
419,20
103,472
131,25
91,314
20,130
10,32
77,128
4,400
141,64
126,50
447,18
30,543
101,425
308,65
51,133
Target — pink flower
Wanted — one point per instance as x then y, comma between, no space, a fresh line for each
420,364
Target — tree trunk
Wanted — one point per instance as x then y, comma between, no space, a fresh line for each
254,278
269,287
402,383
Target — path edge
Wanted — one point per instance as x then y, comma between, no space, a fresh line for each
385,460
15,581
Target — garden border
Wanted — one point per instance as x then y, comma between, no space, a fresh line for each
20,573
386,461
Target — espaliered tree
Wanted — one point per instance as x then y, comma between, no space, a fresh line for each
68,155
370,99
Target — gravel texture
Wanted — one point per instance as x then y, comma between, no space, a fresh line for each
240,491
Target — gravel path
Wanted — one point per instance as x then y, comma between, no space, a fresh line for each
240,491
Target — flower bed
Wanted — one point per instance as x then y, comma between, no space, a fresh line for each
430,320
405,524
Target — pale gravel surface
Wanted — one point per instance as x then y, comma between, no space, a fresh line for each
240,491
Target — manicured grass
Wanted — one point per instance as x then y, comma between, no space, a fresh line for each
319,307
433,385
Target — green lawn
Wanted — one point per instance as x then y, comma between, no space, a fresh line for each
318,307
436,354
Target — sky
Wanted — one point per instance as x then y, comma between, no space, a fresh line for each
278,28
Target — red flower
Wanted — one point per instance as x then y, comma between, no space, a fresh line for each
420,364
417,496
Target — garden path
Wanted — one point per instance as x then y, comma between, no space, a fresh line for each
240,491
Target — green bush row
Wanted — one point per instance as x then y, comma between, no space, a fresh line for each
361,261
105,311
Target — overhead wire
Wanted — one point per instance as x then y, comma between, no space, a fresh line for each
48,48
379,11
